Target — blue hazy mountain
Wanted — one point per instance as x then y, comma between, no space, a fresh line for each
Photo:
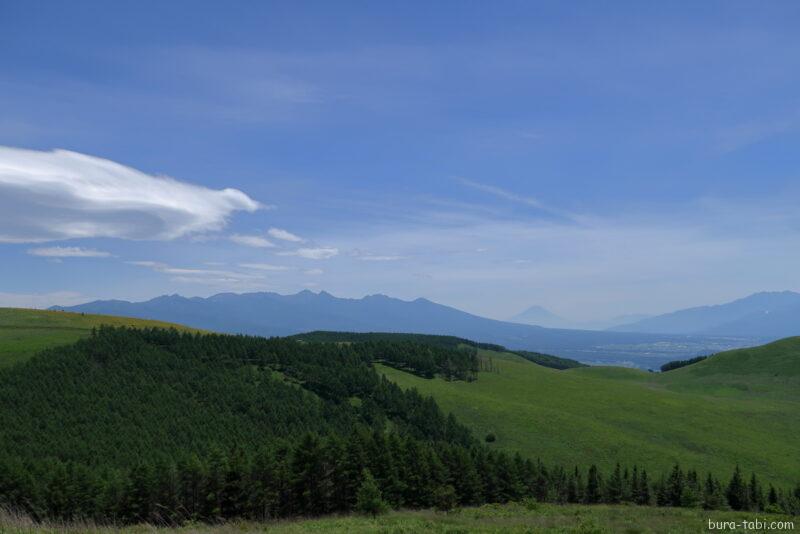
272,314
539,316
767,315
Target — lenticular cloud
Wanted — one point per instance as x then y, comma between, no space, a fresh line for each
58,195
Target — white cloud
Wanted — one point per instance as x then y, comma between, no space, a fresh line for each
278,233
252,241
264,267
68,252
47,196
322,253
313,272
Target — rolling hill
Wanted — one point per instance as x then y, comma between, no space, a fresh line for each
24,332
739,407
125,414
769,315
272,314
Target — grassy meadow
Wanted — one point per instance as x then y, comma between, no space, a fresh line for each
724,411
494,519
24,332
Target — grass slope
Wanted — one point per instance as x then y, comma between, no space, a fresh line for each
494,519
694,415
771,370
24,332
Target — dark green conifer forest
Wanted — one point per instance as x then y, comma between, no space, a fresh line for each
160,426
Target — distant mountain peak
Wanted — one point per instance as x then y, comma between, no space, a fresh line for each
540,316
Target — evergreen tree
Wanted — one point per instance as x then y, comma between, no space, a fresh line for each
368,498
593,493
614,486
737,494
755,494
263,498
643,497
675,487
445,498
713,497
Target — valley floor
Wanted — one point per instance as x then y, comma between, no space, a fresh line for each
512,518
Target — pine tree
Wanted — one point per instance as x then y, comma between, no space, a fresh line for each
575,487
675,487
737,493
614,486
214,484
263,489
445,498
692,495
368,498
191,487
755,494
593,493
713,499
773,495
643,498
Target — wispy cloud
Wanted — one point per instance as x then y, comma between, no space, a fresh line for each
283,235
46,196
264,267
519,199
321,253
504,194
68,252
380,258
749,133
255,241
313,272
182,274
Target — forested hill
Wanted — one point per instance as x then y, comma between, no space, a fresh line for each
165,427
24,332
546,360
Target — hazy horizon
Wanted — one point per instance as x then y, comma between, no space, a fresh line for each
596,161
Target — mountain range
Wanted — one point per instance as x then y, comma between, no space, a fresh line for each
273,314
769,315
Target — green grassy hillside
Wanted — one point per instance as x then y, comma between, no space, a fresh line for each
771,370
736,407
25,332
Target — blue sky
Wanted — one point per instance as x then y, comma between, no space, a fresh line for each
594,158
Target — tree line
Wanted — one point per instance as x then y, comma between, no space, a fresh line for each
325,475
677,364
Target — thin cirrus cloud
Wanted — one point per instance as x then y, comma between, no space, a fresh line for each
182,274
59,194
255,241
528,201
283,235
381,258
264,267
321,253
68,252
313,272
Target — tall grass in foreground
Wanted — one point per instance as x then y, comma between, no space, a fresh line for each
514,518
